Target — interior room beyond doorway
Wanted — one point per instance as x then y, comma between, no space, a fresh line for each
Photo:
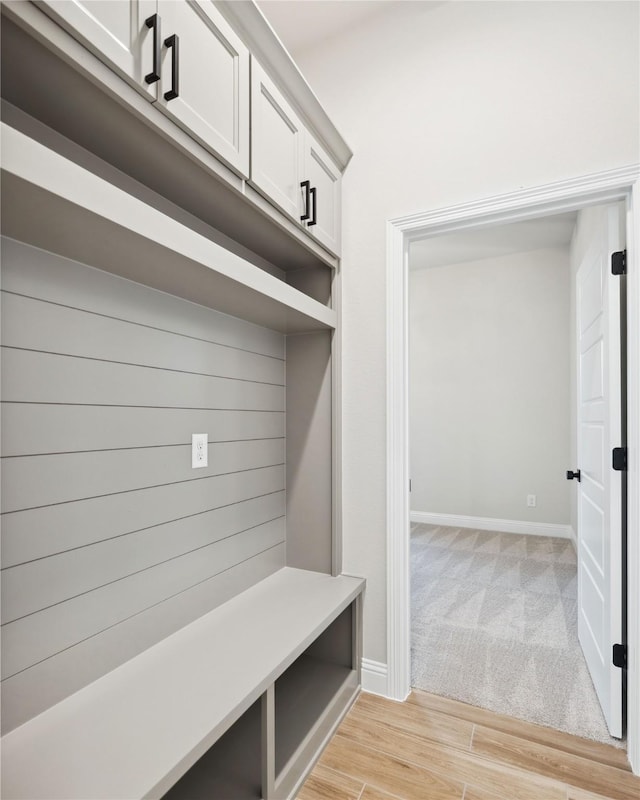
492,433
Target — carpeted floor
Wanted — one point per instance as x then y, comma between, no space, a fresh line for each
494,624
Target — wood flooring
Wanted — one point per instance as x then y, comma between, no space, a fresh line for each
432,748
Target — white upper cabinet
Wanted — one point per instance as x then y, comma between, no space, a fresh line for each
116,31
325,184
183,55
187,59
289,167
204,85
276,144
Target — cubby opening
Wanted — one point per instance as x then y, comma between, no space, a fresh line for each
231,768
310,696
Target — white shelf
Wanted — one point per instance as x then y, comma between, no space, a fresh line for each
134,732
53,203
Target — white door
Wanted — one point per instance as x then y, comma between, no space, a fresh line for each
205,79
600,487
117,32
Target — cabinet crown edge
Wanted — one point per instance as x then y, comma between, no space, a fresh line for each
265,45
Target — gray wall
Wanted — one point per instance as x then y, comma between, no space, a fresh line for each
110,541
489,387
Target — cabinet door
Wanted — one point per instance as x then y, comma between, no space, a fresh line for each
276,144
115,31
208,67
326,182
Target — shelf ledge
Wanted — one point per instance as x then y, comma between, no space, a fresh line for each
138,729
55,204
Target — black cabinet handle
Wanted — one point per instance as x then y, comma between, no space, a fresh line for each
313,220
571,475
306,185
173,42
153,23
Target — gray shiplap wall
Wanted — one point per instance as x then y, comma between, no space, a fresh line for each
110,541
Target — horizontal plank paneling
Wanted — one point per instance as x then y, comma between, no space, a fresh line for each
35,273
39,636
38,325
27,535
38,584
104,520
29,376
45,480
39,687
31,428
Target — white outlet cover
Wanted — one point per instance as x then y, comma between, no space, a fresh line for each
199,450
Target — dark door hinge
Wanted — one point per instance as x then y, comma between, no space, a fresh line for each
619,263
619,459
620,655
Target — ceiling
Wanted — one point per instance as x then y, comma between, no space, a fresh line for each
302,24
501,240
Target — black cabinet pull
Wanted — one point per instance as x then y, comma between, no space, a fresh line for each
306,185
313,220
153,23
173,42
571,475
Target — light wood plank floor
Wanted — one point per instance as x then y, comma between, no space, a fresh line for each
431,748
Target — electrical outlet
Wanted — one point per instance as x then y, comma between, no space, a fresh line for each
531,500
199,450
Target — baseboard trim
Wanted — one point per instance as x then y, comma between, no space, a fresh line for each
374,677
499,525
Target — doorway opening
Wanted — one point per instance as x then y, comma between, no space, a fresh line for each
493,369
612,186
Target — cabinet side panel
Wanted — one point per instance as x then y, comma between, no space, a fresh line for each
110,540
308,449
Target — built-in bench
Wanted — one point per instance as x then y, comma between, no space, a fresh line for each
238,704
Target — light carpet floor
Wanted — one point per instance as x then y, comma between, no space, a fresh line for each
494,624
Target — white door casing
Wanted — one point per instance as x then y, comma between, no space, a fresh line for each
570,195
600,488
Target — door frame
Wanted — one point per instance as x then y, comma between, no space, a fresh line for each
563,196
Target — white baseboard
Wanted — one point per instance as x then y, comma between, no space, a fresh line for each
374,677
500,525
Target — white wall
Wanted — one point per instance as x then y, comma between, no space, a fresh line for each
489,387
441,105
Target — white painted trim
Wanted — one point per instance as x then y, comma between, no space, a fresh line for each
374,677
569,195
633,478
398,634
489,524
